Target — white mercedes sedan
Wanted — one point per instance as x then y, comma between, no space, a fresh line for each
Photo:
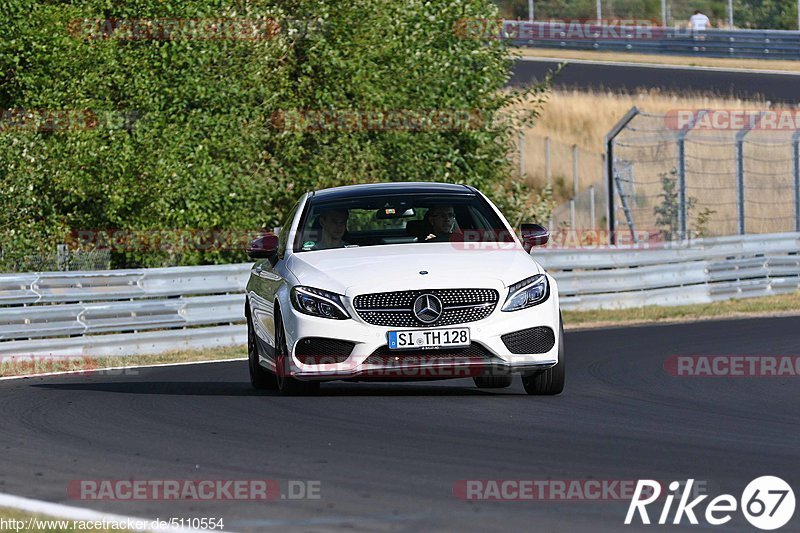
399,282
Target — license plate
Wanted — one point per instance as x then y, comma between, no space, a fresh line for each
431,338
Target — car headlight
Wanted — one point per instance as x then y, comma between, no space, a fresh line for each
527,293
316,302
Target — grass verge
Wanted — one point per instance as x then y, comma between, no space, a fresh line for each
689,61
30,365
785,304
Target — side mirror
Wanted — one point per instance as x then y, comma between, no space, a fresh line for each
263,247
533,235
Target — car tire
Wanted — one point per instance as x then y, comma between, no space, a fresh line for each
551,381
492,382
287,385
260,377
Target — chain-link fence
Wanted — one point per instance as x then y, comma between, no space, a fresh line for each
575,175
683,174
706,173
62,258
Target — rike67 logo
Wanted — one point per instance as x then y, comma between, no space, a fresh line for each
767,503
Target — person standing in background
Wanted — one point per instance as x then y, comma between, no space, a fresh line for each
699,22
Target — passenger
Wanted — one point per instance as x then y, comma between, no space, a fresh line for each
333,225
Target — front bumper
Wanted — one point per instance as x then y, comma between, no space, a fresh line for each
368,339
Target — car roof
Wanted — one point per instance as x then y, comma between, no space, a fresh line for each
379,189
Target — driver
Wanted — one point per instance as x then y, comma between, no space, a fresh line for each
333,225
442,221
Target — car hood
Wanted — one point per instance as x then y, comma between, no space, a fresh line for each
352,271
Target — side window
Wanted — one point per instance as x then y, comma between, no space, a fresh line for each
283,236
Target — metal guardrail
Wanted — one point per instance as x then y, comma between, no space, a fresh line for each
130,312
122,312
700,271
754,44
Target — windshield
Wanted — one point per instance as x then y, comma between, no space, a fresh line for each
398,219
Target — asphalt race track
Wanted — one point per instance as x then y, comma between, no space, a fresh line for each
388,455
630,77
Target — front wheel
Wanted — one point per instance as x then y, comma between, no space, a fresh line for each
260,378
551,381
287,385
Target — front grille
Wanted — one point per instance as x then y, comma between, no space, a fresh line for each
385,356
395,308
540,339
321,350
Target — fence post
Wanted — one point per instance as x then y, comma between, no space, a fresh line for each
740,184
682,211
572,214
521,148
730,14
575,185
547,159
591,207
796,176
681,187
740,135
62,257
609,170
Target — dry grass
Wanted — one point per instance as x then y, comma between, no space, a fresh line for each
583,119
10,366
749,64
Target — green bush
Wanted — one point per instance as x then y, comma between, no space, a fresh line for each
201,150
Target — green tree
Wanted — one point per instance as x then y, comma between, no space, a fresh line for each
204,151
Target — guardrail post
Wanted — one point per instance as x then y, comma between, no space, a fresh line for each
609,170
591,207
796,176
575,185
547,159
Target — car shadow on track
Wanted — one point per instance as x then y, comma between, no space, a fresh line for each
234,388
